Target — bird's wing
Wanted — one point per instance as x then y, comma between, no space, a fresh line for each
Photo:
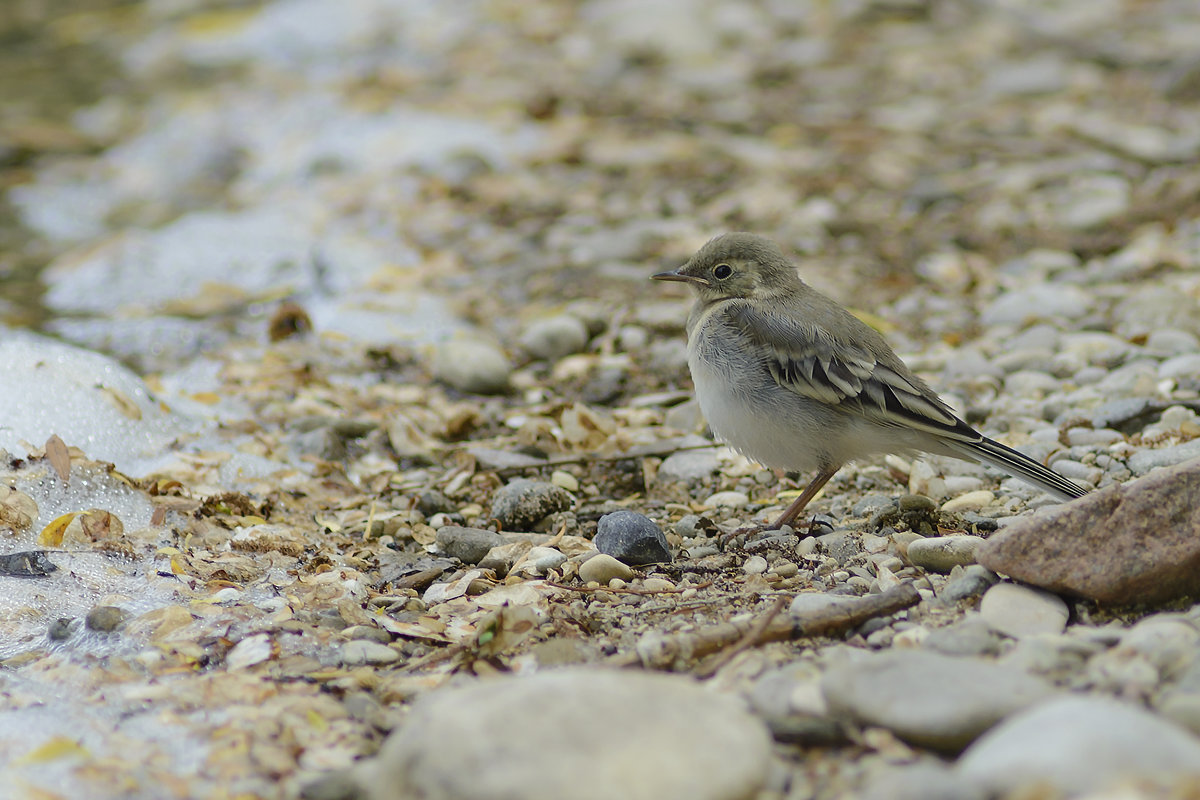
806,359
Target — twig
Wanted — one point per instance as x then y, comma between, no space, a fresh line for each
625,590
746,642
656,651
437,656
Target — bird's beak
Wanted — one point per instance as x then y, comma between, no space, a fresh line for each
676,275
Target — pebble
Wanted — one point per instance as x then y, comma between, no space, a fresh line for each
971,501
969,637
1126,543
603,568
871,504
540,560
1181,706
501,557
472,366
554,337
468,545
523,503
359,652
790,701
755,565
61,629
1077,471
564,480
105,619
1093,436
943,553
785,569
971,582
642,737
1035,302
1077,745
840,545
1143,461
657,585
928,699
727,500
368,633
631,537
686,416
690,466
920,781
250,651
1183,366
807,604
1019,611
1172,342
1058,657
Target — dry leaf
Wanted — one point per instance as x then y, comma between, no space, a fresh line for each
59,458
54,748
52,534
18,510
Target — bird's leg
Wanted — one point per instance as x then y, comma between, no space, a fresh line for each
793,511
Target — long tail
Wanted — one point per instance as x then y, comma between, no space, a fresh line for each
1020,466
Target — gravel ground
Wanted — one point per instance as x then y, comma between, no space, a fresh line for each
404,493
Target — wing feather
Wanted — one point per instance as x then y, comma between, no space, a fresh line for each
807,360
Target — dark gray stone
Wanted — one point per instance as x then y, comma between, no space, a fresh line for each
632,538
61,629
468,545
972,582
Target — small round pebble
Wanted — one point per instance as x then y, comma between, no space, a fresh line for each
544,559
657,585
943,553
728,500
602,569
358,652
971,582
472,366
1018,610
755,565
105,619
631,537
554,337
971,501
60,630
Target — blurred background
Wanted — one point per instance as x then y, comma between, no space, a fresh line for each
170,169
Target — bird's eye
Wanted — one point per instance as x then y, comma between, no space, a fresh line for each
722,271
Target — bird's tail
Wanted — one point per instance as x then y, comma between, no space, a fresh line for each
1020,466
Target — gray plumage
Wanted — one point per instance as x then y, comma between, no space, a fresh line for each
791,379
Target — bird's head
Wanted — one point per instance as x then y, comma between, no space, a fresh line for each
736,265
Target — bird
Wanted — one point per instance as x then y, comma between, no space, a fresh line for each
791,379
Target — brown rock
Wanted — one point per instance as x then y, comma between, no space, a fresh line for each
1132,543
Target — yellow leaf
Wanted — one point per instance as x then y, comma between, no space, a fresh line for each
52,534
54,748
